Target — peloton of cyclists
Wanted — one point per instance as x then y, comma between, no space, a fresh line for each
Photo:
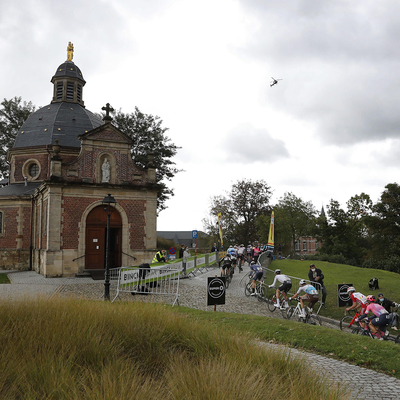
381,318
286,285
311,295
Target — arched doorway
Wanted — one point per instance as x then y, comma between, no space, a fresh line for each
96,228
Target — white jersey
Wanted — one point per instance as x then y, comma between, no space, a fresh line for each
282,279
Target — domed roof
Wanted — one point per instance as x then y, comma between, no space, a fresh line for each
63,121
68,69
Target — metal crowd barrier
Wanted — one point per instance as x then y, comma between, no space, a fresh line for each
160,280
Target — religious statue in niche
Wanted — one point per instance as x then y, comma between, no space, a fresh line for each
105,170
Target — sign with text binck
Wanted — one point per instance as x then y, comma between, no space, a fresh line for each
215,290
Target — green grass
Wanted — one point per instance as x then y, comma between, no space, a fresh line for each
76,349
389,282
382,356
4,278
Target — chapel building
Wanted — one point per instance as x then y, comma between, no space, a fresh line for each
64,162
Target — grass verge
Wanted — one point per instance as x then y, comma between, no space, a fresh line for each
76,349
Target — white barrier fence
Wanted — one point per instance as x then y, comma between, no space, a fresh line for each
162,280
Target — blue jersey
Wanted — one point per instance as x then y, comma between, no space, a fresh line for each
309,289
231,251
256,268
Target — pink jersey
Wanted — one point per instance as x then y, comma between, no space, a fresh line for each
376,309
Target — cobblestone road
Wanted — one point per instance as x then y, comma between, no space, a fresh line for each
366,384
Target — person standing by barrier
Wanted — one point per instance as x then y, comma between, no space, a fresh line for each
316,275
160,256
181,250
387,305
186,255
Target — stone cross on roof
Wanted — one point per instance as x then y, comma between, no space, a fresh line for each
107,109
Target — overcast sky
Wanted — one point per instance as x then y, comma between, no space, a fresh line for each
329,129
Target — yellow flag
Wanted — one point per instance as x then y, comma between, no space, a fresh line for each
270,245
220,228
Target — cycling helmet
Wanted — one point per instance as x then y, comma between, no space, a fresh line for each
252,263
277,271
351,289
371,298
303,282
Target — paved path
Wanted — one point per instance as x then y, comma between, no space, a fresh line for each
367,384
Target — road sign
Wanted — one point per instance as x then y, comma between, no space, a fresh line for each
195,234
215,290
172,250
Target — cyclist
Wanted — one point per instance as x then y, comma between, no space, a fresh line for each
286,285
226,265
380,319
358,299
241,255
232,252
387,304
311,295
256,252
258,274
249,250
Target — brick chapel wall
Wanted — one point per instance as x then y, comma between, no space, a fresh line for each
19,161
26,240
73,208
10,228
135,210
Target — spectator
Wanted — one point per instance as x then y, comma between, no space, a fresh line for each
181,250
316,275
387,304
214,248
160,256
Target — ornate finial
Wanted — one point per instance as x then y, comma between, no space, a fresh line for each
107,109
70,51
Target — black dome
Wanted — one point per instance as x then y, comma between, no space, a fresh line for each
69,69
63,121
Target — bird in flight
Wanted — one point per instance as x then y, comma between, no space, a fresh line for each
274,81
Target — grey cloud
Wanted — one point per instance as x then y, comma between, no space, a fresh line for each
246,144
340,63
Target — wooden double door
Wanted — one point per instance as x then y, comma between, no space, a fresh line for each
96,234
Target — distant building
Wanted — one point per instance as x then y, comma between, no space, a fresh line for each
182,237
306,245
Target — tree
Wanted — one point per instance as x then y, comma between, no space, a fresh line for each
345,232
13,113
384,223
294,218
149,136
240,209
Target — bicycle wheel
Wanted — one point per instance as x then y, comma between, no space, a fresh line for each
290,312
271,303
345,324
366,332
313,319
397,340
356,331
247,289
262,294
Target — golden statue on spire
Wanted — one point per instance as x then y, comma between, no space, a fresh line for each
70,51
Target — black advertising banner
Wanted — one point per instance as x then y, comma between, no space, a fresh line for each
343,297
216,290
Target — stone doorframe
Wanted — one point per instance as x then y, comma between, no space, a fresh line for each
82,234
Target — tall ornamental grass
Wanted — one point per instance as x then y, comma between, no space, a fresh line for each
76,349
